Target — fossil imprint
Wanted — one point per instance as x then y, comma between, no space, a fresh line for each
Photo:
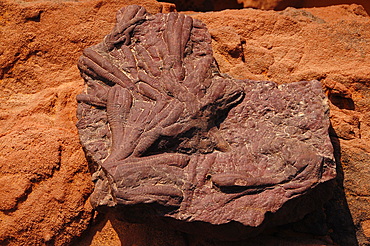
161,125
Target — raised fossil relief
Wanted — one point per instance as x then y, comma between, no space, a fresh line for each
162,127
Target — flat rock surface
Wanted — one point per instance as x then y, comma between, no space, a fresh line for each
39,81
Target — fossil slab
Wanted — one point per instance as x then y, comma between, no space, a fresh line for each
164,129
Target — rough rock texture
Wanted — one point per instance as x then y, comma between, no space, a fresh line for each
282,4
39,81
329,44
44,178
269,4
162,126
215,5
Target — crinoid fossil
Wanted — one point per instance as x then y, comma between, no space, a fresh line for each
163,129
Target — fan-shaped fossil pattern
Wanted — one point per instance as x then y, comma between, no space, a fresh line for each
161,126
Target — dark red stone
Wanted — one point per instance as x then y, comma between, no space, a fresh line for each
168,135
